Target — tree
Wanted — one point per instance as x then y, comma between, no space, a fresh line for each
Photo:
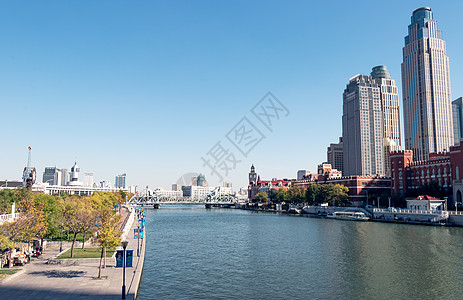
312,194
78,216
108,235
273,195
282,195
338,195
296,194
261,197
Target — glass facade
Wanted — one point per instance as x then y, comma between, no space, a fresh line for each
426,88
457,106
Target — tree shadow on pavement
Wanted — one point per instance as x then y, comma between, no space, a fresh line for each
59,274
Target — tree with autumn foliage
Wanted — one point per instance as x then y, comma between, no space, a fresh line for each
108,235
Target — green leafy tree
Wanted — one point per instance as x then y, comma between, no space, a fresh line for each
282,195
313,193
261,197
296,194
273,195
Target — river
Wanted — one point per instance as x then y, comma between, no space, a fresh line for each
198,253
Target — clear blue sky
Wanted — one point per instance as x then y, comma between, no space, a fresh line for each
147,88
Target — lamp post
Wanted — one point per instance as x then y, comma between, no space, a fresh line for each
124,246
138,241
61,241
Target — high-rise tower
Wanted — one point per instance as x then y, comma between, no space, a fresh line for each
426,88
370,123
362,128
390,111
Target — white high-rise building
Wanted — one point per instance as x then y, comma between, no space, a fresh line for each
370,123
88,179
426,88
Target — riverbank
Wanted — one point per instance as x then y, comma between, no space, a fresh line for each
50,278
401,216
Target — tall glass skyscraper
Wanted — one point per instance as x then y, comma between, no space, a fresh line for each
426,88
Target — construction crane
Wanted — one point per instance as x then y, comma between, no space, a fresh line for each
29,172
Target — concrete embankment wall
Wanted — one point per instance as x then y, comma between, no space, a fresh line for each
456,220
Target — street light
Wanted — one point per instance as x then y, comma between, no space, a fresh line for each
138,240
124,246
61,241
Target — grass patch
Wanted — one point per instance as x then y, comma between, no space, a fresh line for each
5,273
86,253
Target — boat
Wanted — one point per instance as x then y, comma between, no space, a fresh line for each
348,215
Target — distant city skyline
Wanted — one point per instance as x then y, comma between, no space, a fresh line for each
148,88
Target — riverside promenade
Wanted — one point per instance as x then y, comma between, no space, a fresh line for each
47,278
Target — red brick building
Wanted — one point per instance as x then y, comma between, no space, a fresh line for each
443,168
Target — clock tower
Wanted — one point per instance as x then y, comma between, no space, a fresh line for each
252,175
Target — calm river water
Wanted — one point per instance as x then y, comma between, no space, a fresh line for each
194,253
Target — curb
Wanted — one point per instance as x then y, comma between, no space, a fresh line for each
12,276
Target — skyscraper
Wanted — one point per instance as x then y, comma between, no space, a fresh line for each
362,133
120,181
370,123
426,88
391,113
457,107
49,176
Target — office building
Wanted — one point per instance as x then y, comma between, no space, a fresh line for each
334,156
88,179
362,128
370,124
426,88
301,174
120,181
457,108
50,175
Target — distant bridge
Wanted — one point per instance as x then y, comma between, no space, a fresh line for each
214,198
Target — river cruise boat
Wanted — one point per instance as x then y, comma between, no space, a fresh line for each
348,215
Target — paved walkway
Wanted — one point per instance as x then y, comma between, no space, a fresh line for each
42,280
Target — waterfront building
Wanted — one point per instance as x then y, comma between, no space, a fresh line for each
227,184
88,179
62,176
105,184
301,174
426,88
162,193
201,192
120,181
201,180
360,187
425,203
10,184
335,155
176,187
457,108
445,169
256,185
74,177
325,171
370,123
50,176
80,190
